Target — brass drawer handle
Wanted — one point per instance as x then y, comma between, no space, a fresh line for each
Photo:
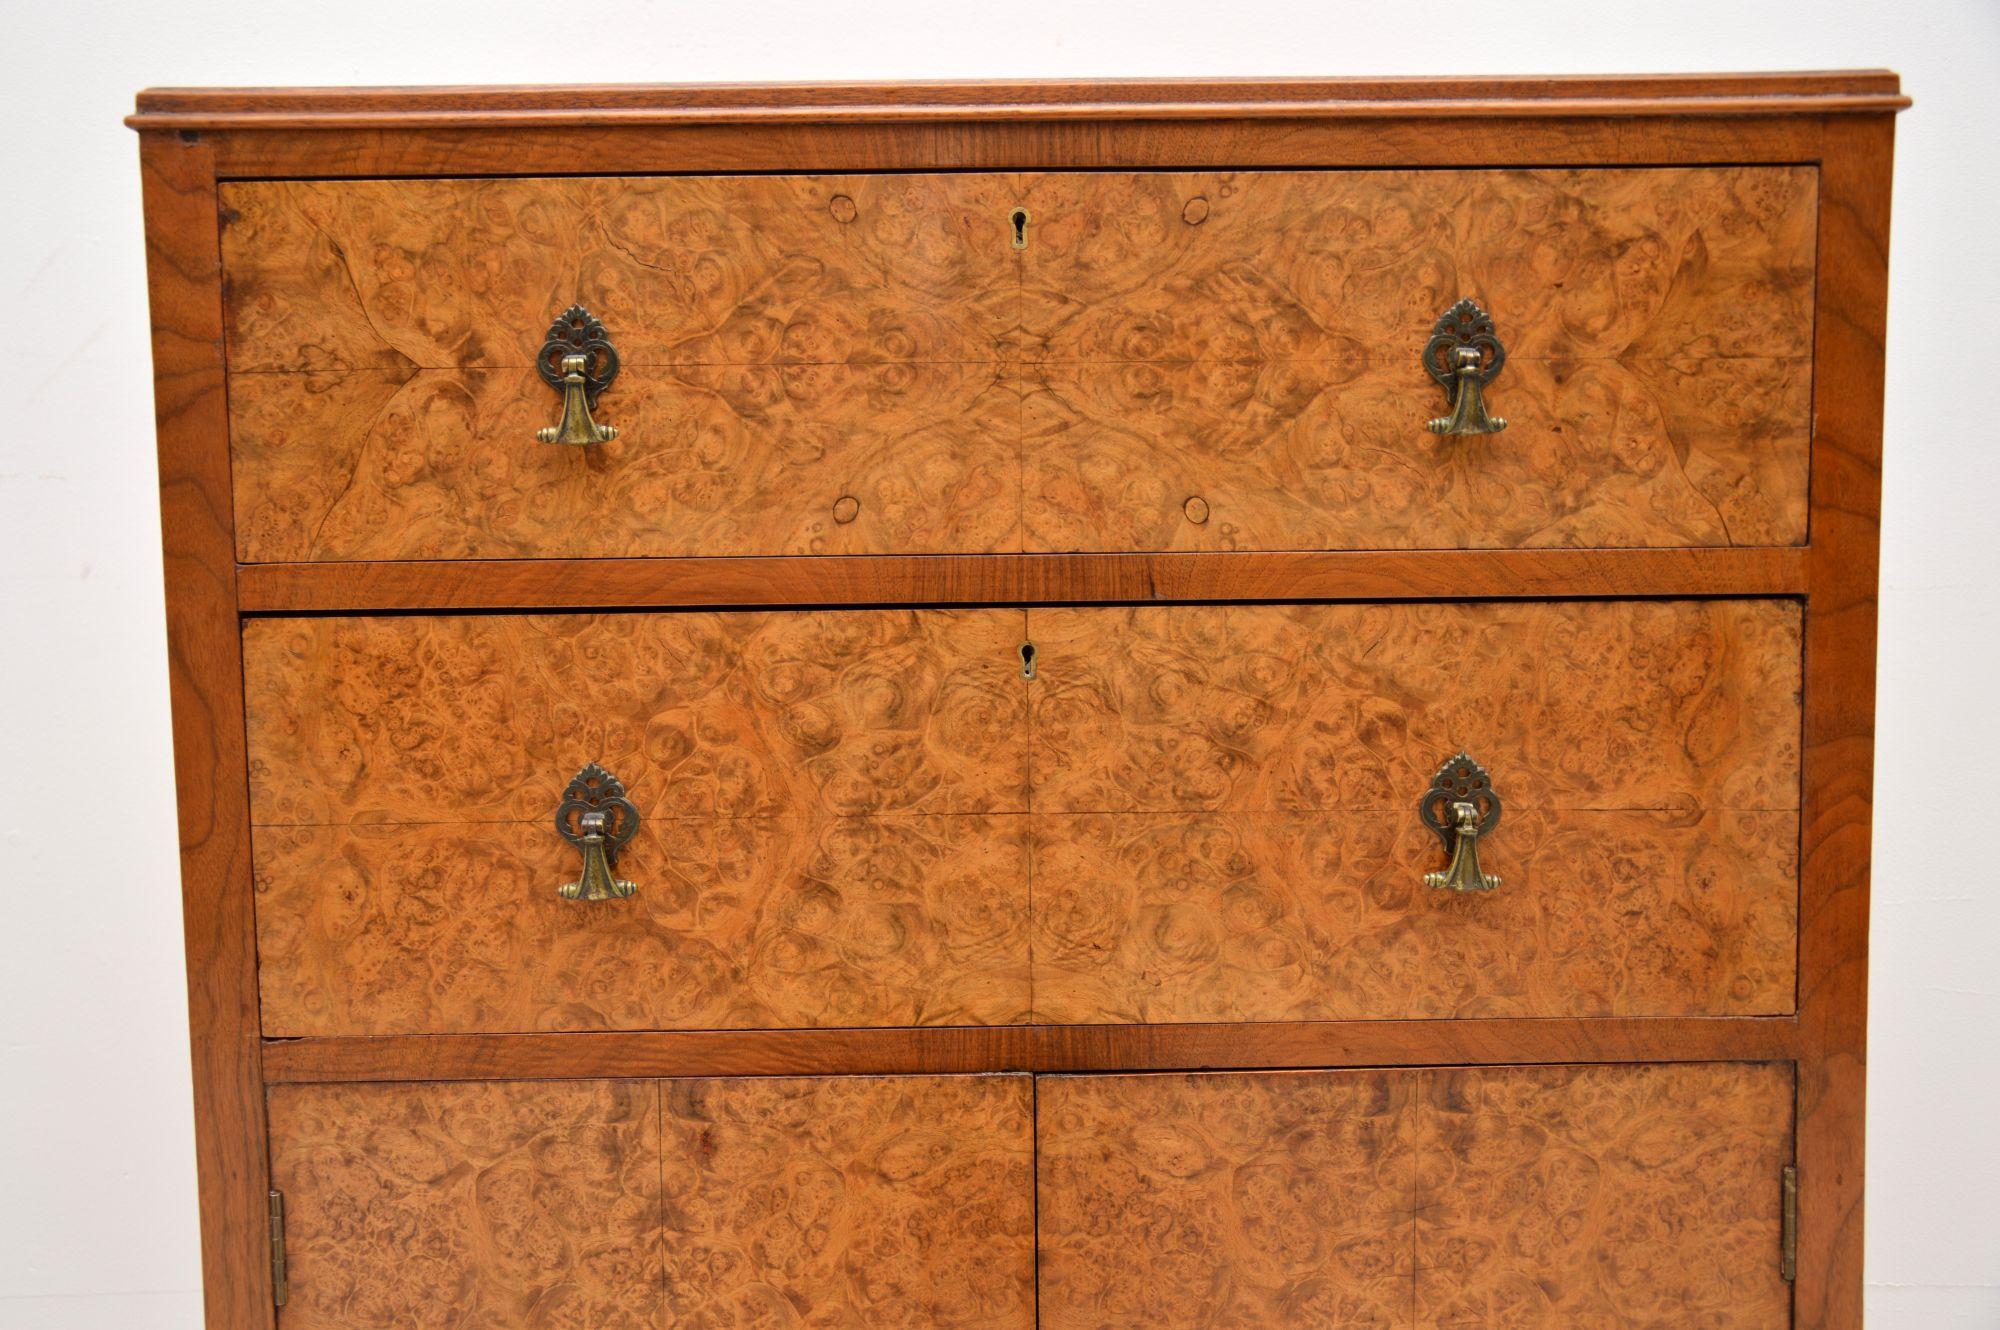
1463,355
578,361
1460,806
598,819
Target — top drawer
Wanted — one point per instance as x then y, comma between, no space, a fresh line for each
997,362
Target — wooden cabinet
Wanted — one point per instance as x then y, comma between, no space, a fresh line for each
1155,705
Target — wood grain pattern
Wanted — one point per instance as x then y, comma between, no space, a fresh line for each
1842,617
1602,1196
471,1207
1234,917
1243,845
1017,578
391,903
814,847
1246,338
1317,266
792,342
1737,133
426,720
1181,1201
689,270
205,683
1688,705
1322,455
741,923
905,1203
1517,1197
1037,1048
442,464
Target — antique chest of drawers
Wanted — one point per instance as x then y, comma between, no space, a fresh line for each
1127,705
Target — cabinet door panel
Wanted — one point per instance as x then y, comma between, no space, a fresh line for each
490,1206
898,1202
1531,1198
1603,1196
1174,1202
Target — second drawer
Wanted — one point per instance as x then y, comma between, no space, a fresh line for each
886,818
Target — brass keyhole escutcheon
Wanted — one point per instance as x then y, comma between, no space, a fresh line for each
1019,219
1027,660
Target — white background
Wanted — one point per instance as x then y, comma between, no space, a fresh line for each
97,1197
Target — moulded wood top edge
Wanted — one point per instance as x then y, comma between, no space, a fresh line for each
1178,99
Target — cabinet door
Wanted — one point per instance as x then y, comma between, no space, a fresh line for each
483,1206
1540,1198
639,1205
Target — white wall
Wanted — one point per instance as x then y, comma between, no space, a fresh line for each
97,1217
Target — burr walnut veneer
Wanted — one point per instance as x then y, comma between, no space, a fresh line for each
1199,704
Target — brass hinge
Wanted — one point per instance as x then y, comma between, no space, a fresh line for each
1788,1232
280,1287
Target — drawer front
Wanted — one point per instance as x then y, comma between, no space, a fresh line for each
830,830
629,1205
1151,361
1441,1199
874,818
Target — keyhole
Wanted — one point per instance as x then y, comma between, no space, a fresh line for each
1019,219
1027,660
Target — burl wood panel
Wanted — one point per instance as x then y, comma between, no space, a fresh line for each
1155,918
1248,341
1676,704
472,1206
866,364
898,1202
426,719
782,460
1175,1201
1225,824
822,837
1603,1196
746,923
788,342
1614,1196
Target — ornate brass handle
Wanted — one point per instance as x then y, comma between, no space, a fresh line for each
1463,355
578,361
1460,806
598,819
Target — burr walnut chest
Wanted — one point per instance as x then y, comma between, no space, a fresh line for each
1131,706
